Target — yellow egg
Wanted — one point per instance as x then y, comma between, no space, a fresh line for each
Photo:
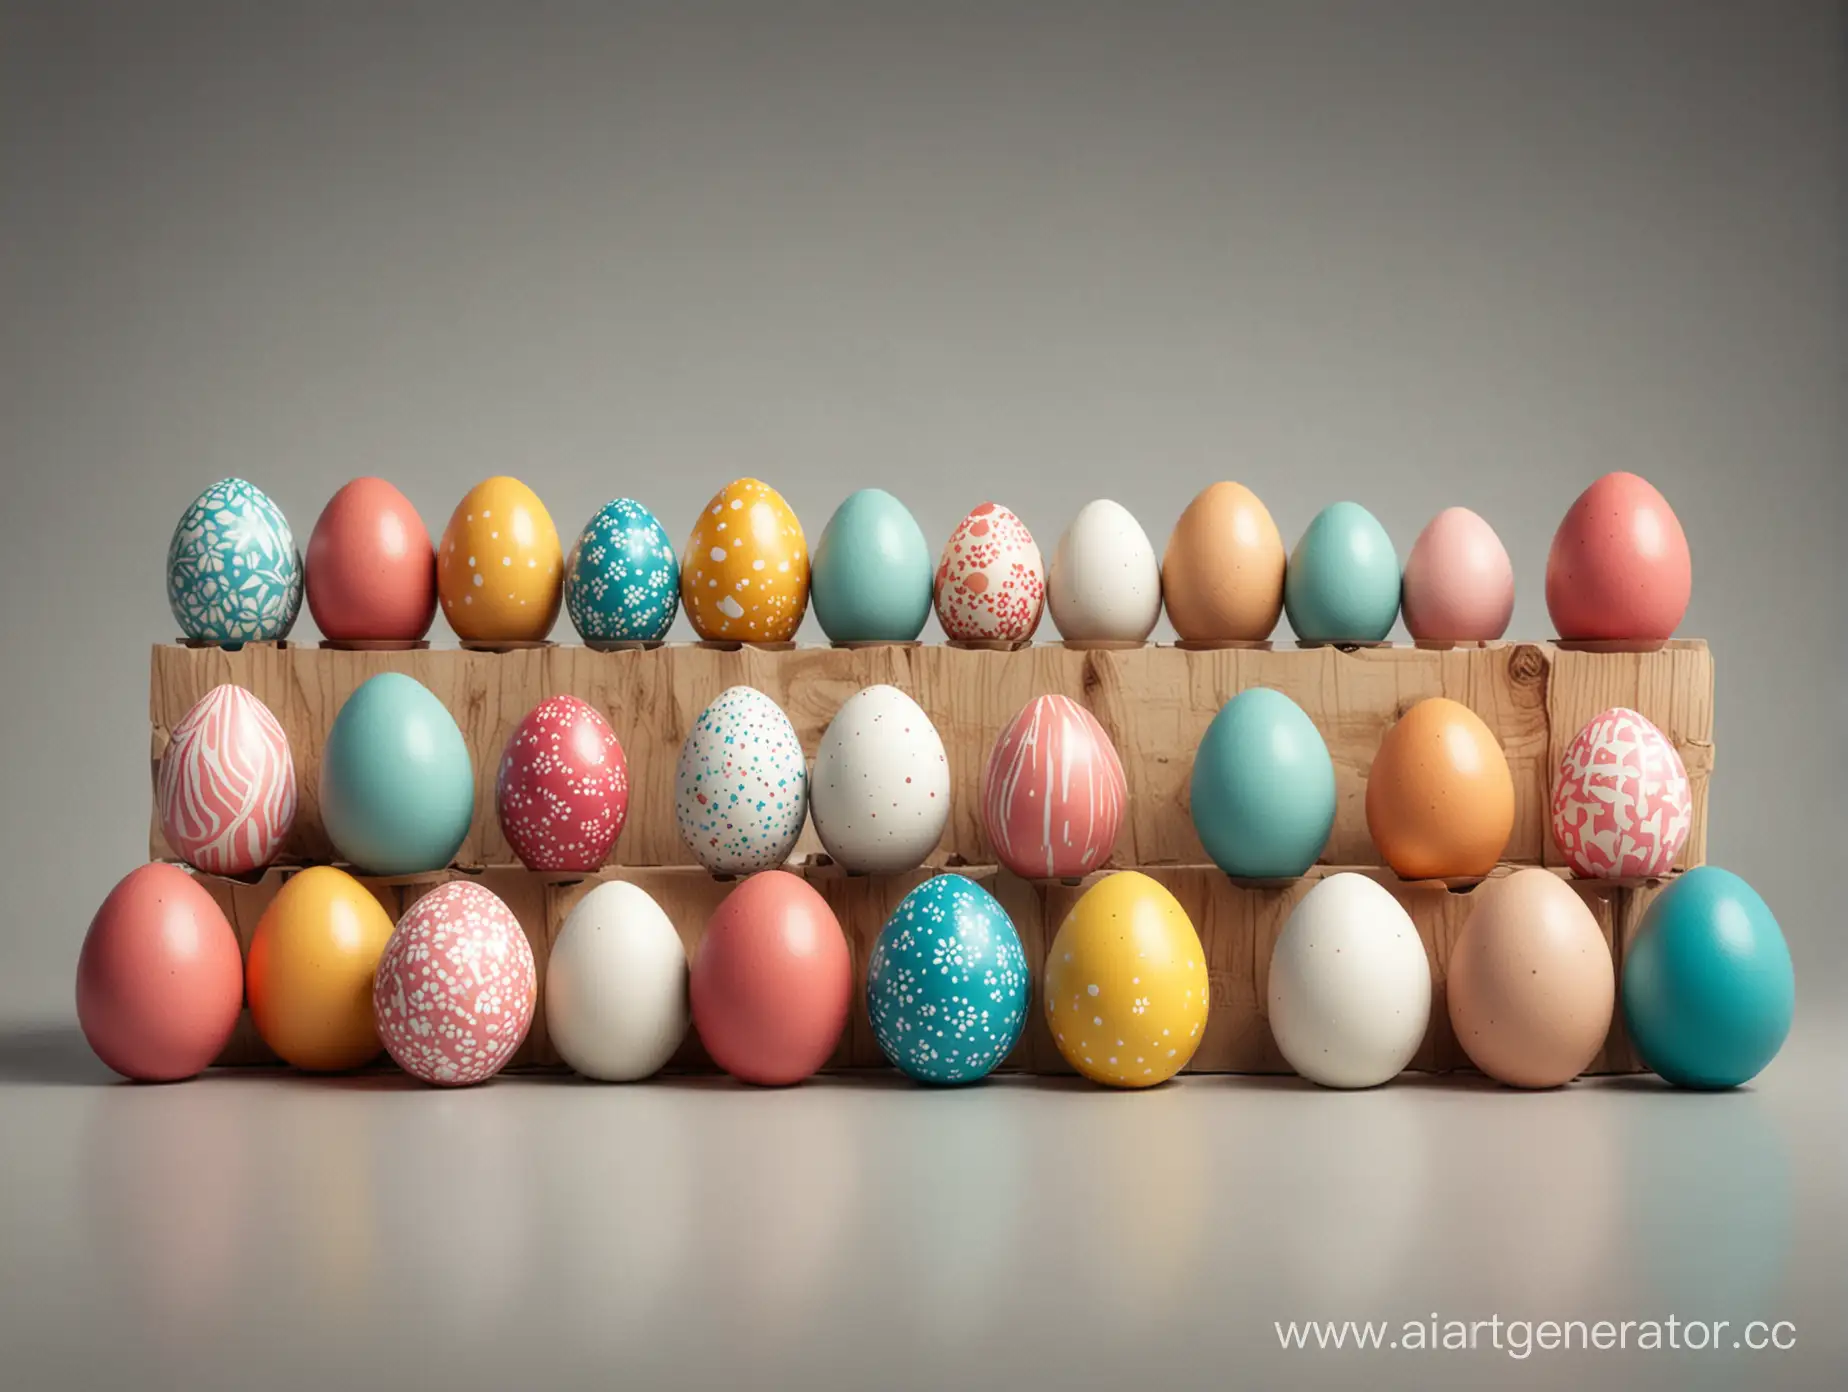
745,574
1126,986
500,571
309,977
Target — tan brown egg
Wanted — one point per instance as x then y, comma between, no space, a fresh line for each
1440,799
1222,574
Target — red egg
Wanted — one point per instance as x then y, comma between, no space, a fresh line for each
1619,569
563,789
772,981
160,980
371,567
1054,792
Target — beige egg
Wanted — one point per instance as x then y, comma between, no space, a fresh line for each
1222,574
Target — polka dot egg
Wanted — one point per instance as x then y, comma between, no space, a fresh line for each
234,575
745,576
500,570
1621,804
741,788
991,585
622,583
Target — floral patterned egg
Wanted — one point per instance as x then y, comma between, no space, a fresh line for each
1054,792
741,789
233,573
745,576
1621,804
500,570
991,585
622,583
563,789
227,784
456,988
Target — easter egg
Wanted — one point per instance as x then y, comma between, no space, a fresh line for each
227,784
1342,583
1104,583
872,580
499,569
622,583
313,959
160,979
1126,984
456,986
1222,574
234,575
1619,568
947,985
1440,799
741,787
1263,788
562,794
1708,989
990,585
745,574
616,985
880,795
1053,794
1459,582
772,981
1622,806
371,567
397,785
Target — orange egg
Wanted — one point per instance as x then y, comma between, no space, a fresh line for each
1222,574
745,573
1440,799
500,570
309,978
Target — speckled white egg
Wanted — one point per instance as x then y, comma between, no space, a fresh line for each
616,985
881,792
741,790
1105,583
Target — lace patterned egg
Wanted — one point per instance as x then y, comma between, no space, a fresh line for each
1622,806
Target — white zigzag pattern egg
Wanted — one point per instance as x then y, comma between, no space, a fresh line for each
227,784
1622,807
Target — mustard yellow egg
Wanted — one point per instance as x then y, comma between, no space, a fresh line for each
500,571
745,574
1125,983
312,960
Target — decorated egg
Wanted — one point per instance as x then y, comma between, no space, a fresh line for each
1621,804
313,959
1440,799
990,585
741,788
1126,984
872,572
1263,788
1104,584
234,575
616,985
622,583
745,575
456,987
160,979
1459,582
880,796
397,784
1619,568
1222,574
772,981
227,784
500,570
1053,794
947,985
562,794
371,567
1342,583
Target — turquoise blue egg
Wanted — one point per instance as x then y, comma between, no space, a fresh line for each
397,785
870,577
1708,989
622,583
1342,583
1263,792
234,575
947,986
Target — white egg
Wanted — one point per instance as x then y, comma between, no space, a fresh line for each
741,790
1350,985
1105,582
616,985
881,792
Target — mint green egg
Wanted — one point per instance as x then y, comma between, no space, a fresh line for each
870,575
397,784
1342,583
1263,793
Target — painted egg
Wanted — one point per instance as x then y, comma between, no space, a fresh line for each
1459,582
872,572
990,583
1622,806
313,959
160,979
397,784
1053,794
500,570
741,788
1263,788
1222,574
772,981
562,794
881,791
622,584
456,987
227,784
1104,584
616,985
371,567
1342,583
1350,985
1619,567
1126,984
1440,799
234,575
745,575
947,985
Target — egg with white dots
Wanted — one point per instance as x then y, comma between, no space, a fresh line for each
745,574
741,787
881,790
1105,583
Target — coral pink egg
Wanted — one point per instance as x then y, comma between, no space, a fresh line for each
1619,569
371,567
991,585
563,789
1459,582
227,784
1621,805
1054,792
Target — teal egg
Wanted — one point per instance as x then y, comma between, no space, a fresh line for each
1263,789
622,583
1708,989
1342,583
397,785
234,575
947,985
870,577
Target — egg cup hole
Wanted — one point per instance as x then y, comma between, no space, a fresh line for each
1105,644
376,644
1225,644
625,644
739,645
1449,644
1611,645
277,643
1343,644
990,644
504,645
854,643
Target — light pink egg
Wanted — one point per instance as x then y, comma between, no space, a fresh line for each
991,585
1459,583
227,784
1054,793
1622,807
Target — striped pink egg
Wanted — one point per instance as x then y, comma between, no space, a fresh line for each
1622,806
227,784
1054,793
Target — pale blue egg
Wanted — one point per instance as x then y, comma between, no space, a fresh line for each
1263,789
234,575
397,784
871,578
622,583
1343,580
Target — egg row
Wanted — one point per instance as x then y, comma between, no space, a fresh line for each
1619,570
